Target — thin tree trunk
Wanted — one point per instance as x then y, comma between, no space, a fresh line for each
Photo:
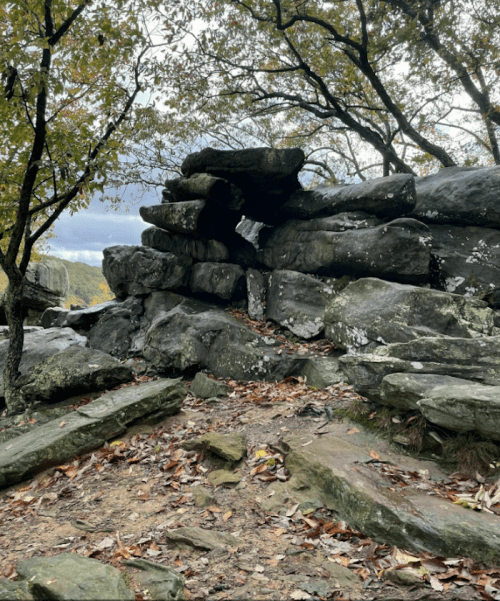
14,313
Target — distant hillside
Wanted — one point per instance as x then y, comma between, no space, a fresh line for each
86,283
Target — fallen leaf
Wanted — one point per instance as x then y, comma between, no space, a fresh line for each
299,595
62,424
292,510
352,431
374,455
227,515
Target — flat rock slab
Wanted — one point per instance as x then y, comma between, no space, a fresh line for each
387,197
202,539
86,428
454,403
196,248
397,250
71,577
365,371
334,469
459,195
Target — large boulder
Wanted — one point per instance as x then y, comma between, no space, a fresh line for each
199,249
75,370
41,345
46,285
266,176
465,260
134,270
386,197
371,312
188,335
397,250
225,281
459,196
297,302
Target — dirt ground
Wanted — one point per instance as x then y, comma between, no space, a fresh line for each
120,501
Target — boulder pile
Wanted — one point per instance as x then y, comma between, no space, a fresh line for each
400,273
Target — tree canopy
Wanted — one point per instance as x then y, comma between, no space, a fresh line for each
73,75
366,87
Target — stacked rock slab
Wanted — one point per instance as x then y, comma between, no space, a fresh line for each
371,266
199,213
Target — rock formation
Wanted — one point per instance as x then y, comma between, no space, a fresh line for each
237,229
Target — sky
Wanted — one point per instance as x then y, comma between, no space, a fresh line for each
83,236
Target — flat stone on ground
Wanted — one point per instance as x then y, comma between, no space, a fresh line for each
201,538
87,428
335,470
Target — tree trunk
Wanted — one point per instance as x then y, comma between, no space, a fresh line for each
14,313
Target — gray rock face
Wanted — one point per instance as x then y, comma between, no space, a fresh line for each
192,217
86,428
256,294
266,176
466,260
71,577
53,317
297,302
473,359
180,217
134,270
321,372
464,408
459,196
453,403
41,345
187,334
46,285
201,186
386,197
198,249
73,371
397,250
371,312
406,390
117,331
223,280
